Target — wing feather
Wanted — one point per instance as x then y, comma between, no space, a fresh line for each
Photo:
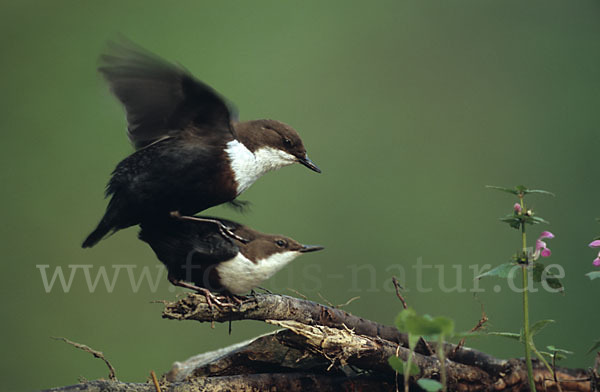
162,99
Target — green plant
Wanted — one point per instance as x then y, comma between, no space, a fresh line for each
528,261
434,328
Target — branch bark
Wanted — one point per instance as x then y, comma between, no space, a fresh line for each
250,382
326,349
468,369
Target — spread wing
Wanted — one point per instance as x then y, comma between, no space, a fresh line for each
162,99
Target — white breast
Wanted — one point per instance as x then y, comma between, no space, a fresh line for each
239,275
248,166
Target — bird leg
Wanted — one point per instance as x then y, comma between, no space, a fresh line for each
210,297
225,231
238,299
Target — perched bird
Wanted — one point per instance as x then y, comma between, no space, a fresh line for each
199,256
191,152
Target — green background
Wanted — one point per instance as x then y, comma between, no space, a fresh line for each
410,108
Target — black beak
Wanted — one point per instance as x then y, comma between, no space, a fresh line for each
308,163
310,248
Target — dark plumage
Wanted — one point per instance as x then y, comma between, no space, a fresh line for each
192,153
197,252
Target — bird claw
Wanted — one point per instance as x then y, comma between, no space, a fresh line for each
211,299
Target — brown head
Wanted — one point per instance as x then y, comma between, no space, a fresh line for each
258,259
270,246
275,136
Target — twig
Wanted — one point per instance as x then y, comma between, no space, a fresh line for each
347,302
398,287
298,293
326,300
155,381
98,354
396,372
424,346
340,305
477,327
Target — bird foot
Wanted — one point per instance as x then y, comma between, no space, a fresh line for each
211,299
239,299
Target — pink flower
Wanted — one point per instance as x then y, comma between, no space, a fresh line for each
517,208
541,248
596,244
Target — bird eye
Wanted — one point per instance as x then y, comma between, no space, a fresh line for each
281,243
287,142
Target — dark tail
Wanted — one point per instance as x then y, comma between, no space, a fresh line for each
115,218
101,231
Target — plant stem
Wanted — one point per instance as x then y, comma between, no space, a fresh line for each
442,359
523,234
527,338
407,365
550,368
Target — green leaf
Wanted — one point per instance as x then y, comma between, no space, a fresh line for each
467,334
398,365
555,283
538,274
512,220
538,326
427,326
509,335
559,350
446,324
412,341
502,271
558,355
538,270
409,321
537,220
519,189
503,189
594,347
539,191
414,369
402,317
429,385
593,275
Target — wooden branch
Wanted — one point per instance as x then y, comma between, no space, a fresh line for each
281,307
97,354
372,343
293,382
326,349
